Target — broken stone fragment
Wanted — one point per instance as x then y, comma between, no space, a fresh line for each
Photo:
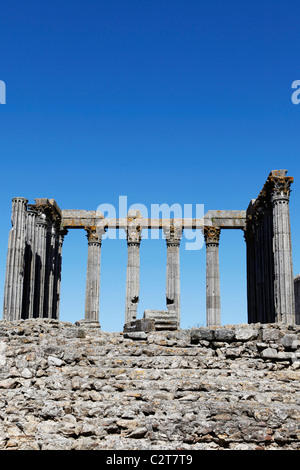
54,361
136,335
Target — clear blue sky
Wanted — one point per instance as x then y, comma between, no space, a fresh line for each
176,101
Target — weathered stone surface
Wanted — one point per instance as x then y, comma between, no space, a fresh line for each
290,341
163,319
245,334
206,334
269,353
135,335
72,387
143,324
224,334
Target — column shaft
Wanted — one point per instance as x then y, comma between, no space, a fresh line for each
12,309
278,186
28,291
213,297
283,264
173,236
40,265
49,273
297,299
92,297
60,234
251,272
132,274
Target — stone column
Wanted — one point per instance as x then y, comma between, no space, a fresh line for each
297,299
133,273
28,293
213,298
249,235
13,291
173,236
40,264
282,247
270,314
50,267
92,296
60,235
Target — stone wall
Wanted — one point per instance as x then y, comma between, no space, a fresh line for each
65,386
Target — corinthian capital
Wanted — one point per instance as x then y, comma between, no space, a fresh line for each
173,234
94,235
212,235
134,234
279,185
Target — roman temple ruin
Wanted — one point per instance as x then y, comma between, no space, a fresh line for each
34,259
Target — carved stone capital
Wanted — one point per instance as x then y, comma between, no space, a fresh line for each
50,209
173,235
280,187
31,210
62,232
212,235
41,220
94,235
134,235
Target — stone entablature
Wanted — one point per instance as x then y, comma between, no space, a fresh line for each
33,274
225,219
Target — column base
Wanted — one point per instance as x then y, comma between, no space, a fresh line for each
88,323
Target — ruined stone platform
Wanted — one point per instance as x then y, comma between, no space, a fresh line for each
66,386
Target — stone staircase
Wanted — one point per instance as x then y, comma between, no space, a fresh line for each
65,386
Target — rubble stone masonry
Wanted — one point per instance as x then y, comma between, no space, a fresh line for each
68,386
